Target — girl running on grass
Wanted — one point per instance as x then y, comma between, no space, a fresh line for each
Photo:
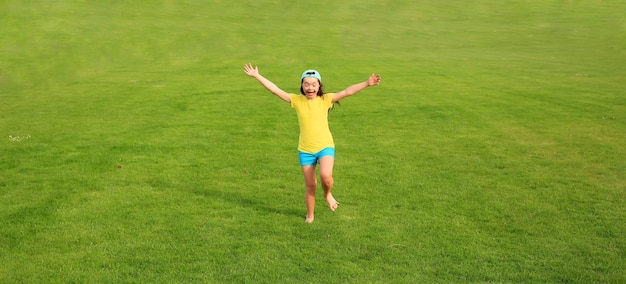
316,143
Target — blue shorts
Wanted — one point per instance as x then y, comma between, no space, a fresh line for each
308,159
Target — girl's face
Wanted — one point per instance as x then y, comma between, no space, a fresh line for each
310,86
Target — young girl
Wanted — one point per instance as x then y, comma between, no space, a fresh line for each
316,142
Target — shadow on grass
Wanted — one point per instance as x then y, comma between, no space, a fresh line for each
237,198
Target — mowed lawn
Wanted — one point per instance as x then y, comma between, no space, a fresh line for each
133,148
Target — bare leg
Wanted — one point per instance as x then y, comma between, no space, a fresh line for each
309,195
326,175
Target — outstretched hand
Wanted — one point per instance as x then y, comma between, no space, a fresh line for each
251,71
373,80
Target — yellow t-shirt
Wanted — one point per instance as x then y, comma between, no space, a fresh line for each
313,119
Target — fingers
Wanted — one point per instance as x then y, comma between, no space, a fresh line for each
249,68
375,78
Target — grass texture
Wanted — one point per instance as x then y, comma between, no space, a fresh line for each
134,149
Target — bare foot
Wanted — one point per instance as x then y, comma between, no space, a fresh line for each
309,220
332,203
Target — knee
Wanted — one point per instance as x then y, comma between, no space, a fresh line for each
327,180
311,185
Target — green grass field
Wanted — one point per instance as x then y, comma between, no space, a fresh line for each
133,148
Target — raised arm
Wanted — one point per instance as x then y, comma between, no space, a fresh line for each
254,72
373,80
